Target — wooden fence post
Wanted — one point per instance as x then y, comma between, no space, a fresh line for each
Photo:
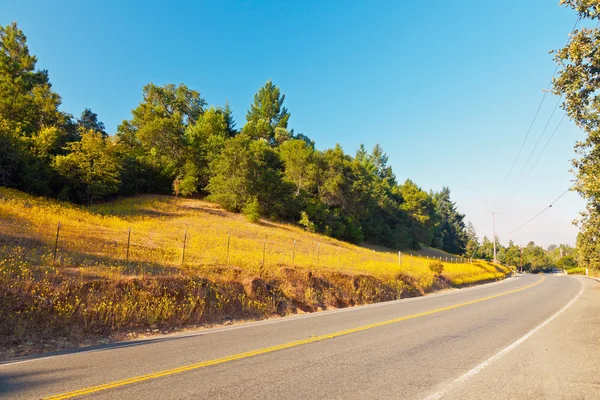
228,241
318,253
399,258
294,254
184,241
56,242
128,243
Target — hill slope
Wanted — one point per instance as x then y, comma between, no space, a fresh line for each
121,266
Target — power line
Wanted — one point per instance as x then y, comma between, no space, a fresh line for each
542,152
533,121
514,191
527,135
540,213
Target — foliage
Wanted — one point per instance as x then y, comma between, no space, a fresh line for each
576,271
306,222
90,167
567,262
436,267
175,143
252,211
267,114
578,82
450,234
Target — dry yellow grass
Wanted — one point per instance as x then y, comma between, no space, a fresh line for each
90,288
99,235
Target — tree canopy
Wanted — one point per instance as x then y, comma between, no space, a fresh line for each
578,81
175,142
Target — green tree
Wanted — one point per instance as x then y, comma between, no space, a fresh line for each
247,170
229,186
451,232
156,133
578,80
297,157
266,114
536,259
513,255
28,115
420,208
472,241
229,120
89,121
91,167
205,140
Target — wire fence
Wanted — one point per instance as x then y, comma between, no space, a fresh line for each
76,244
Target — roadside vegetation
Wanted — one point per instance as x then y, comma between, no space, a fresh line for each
175,143
89,291
577,83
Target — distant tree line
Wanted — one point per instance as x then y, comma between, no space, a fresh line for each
532,258
176,143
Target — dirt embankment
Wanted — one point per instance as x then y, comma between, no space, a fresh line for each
48,310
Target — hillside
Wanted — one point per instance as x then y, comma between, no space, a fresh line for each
91,284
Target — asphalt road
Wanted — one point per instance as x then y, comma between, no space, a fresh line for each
531,336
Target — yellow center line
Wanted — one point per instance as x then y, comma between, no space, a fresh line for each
266,350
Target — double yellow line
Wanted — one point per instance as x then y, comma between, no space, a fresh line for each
266,350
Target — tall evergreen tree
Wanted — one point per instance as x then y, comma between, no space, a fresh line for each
451,231
89,121
267,115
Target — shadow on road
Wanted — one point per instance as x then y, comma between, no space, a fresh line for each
11,383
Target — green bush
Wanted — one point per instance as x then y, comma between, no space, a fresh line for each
567,262
252,211
436,267
306,222
577,270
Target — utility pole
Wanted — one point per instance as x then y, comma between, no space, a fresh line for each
561,254
521,248
494,229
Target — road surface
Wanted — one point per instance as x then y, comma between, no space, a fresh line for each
530,336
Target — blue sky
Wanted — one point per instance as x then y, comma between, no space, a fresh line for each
448,88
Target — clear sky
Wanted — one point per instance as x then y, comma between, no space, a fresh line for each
448,88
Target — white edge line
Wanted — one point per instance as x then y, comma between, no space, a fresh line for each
462,379
208,331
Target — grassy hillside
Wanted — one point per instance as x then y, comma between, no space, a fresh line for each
90,283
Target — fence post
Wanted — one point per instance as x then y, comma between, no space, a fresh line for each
318,253
128,243
228,241
56,242
264,251
399,258
294,254
184,241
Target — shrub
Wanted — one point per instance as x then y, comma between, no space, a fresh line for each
436,267
252,211
577,270
306,222
567,262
